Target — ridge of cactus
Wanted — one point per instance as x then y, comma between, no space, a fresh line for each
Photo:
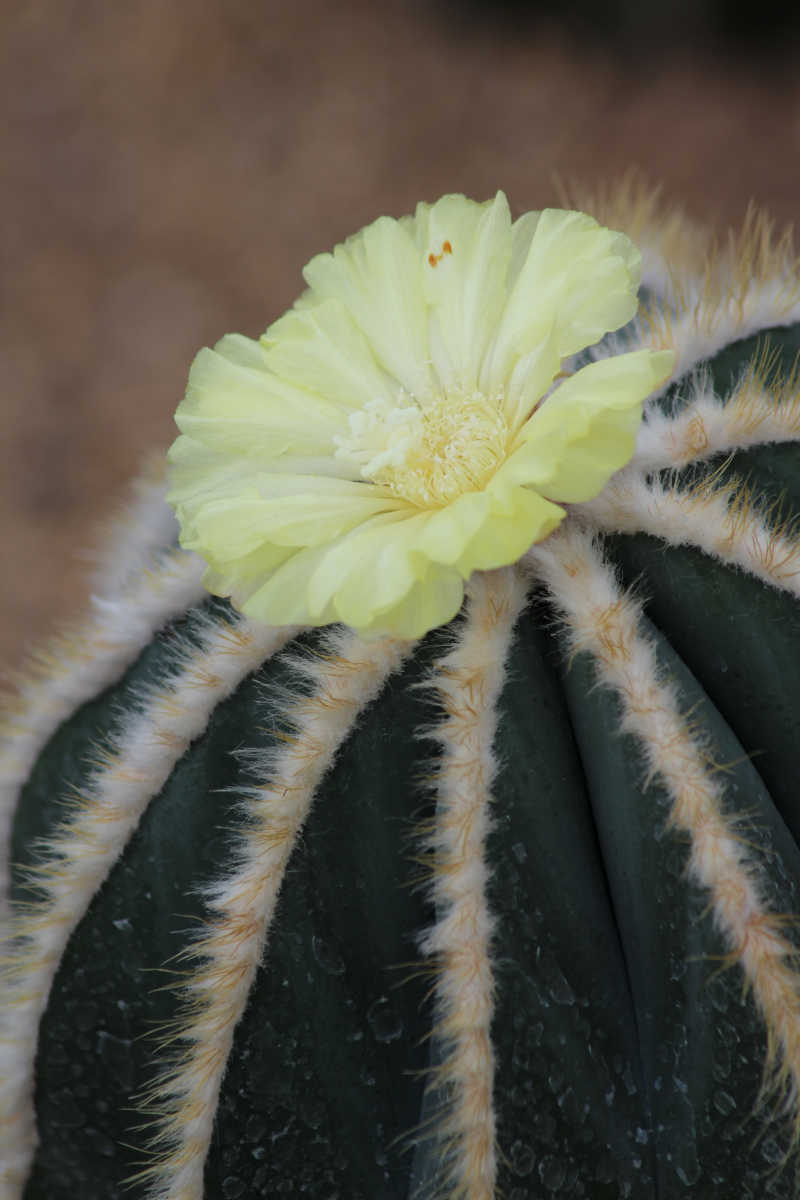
143,527
344,675
509,910
467,684
79,663
603,620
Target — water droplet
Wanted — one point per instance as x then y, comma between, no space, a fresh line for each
555,981
233,1187
255,1128
522,1158
552,1172
641,1136
628,1080
519,851
724,1102
568,1103
771,1151
689,1172
384,1021
122,924
556,1079
327,956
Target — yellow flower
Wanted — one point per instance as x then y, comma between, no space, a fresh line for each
398,428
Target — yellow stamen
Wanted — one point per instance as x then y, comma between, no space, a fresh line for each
429,455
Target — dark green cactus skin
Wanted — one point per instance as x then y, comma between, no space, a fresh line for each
628,1065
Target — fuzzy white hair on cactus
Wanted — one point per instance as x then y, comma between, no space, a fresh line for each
496,685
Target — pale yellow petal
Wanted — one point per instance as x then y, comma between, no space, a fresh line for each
522,232
517,518
282,598
431,602
199,475
577,278
196,471
354,557
377,275
448,530
531,378
466,249
246,410
373,579
196,468
393,585
586,430
322,350
245,524
243,351
236,525
241,578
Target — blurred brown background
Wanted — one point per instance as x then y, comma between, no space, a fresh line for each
169,168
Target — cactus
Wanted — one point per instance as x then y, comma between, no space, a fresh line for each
504,910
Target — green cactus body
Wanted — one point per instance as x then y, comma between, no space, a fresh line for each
500,913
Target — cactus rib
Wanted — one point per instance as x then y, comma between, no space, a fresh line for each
605,621
77,858
78,665
725,521
467,683
226,954
763,408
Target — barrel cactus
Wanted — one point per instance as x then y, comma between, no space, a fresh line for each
419,818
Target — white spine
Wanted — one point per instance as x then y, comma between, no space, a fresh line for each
77,858
705,327
345,678
727,523
78,666
705,426
467,684
145,527
748,284
603,620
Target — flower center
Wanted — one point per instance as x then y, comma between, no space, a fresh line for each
428,454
